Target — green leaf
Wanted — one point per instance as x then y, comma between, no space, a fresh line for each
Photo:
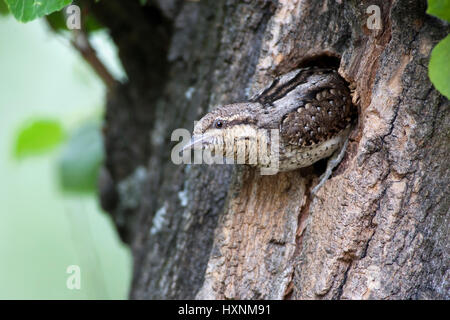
27,10
81,159
3,8
439,67
38,137
440,9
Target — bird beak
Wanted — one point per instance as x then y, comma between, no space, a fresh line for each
197,142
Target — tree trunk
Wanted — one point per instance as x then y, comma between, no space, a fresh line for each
378,229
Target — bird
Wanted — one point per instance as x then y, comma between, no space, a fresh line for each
302,116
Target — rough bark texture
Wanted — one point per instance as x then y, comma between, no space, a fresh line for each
378,229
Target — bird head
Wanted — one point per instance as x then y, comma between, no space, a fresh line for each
219,130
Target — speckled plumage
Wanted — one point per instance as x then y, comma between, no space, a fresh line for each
311,108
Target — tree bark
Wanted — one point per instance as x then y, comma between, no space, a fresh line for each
378,229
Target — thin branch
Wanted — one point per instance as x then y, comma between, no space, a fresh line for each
81,43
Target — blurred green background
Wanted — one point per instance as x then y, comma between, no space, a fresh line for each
43,228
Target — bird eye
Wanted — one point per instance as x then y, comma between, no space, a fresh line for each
218,124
